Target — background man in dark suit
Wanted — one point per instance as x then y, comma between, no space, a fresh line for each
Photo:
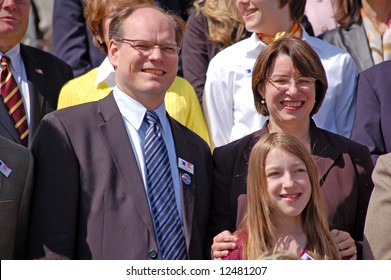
16,181
39,75
72,41
92,190
372,123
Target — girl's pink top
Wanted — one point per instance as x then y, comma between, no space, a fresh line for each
237,254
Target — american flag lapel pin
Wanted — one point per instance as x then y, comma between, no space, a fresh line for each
185,165
39,71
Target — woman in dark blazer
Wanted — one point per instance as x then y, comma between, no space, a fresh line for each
289,85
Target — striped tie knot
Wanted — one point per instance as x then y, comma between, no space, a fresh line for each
5,73
152,117
13,100
4,60
153,120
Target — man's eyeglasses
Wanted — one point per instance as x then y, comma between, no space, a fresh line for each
147,47
283,83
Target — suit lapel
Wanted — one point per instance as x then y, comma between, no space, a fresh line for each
35,81
241,168
355,36
8,125
36,103
114,131
254,139
323,153
239,179
185,149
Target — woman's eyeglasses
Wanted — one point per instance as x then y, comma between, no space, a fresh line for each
283,83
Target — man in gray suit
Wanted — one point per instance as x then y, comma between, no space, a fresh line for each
16,180
92,189
377,231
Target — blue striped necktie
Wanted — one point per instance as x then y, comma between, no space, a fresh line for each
165,214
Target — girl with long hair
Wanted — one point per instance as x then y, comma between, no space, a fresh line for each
285,209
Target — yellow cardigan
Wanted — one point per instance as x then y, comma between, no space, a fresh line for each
181,100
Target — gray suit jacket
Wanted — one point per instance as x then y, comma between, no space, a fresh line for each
90,201
15,195
46,74
354,40
377,232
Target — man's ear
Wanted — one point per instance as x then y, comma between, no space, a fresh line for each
113,53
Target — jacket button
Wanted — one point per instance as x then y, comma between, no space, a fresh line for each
152,254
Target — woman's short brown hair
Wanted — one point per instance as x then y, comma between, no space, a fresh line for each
96,12
304,59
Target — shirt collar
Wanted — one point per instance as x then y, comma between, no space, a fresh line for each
134,112
105,73
305,36
256,42
15,57
161,112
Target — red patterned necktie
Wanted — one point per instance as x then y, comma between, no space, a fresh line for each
13,100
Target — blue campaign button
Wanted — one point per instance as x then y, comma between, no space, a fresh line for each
186,178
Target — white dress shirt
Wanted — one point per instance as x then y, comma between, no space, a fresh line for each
228,100
133,115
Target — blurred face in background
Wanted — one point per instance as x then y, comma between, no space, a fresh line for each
106,22
264,16
99,13
115,7
14,19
